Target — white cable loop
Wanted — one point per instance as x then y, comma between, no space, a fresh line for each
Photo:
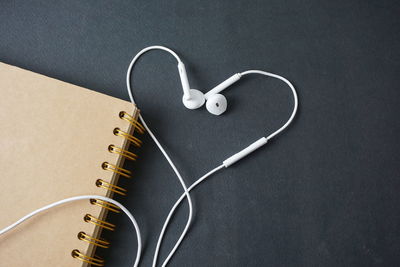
186,193
71,199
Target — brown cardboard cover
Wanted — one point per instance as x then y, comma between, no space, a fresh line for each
54,137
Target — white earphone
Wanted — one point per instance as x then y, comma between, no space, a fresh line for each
193,99
216,104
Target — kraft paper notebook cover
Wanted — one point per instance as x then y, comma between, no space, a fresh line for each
59,140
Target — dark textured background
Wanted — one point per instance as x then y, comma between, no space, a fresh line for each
325,193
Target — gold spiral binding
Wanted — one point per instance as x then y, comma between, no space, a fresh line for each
138,127
103,224
125,153
114,188
96,260
106,205
95,241
121,171
99,242
136,141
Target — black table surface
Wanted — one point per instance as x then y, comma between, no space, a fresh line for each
324,193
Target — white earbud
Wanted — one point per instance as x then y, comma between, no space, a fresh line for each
192,98
216,104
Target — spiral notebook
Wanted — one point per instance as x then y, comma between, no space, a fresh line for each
59,140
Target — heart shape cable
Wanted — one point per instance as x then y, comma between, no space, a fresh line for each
194,99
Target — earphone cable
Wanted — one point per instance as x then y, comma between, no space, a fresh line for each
171,213
239,155
186,191
201,179
295,98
